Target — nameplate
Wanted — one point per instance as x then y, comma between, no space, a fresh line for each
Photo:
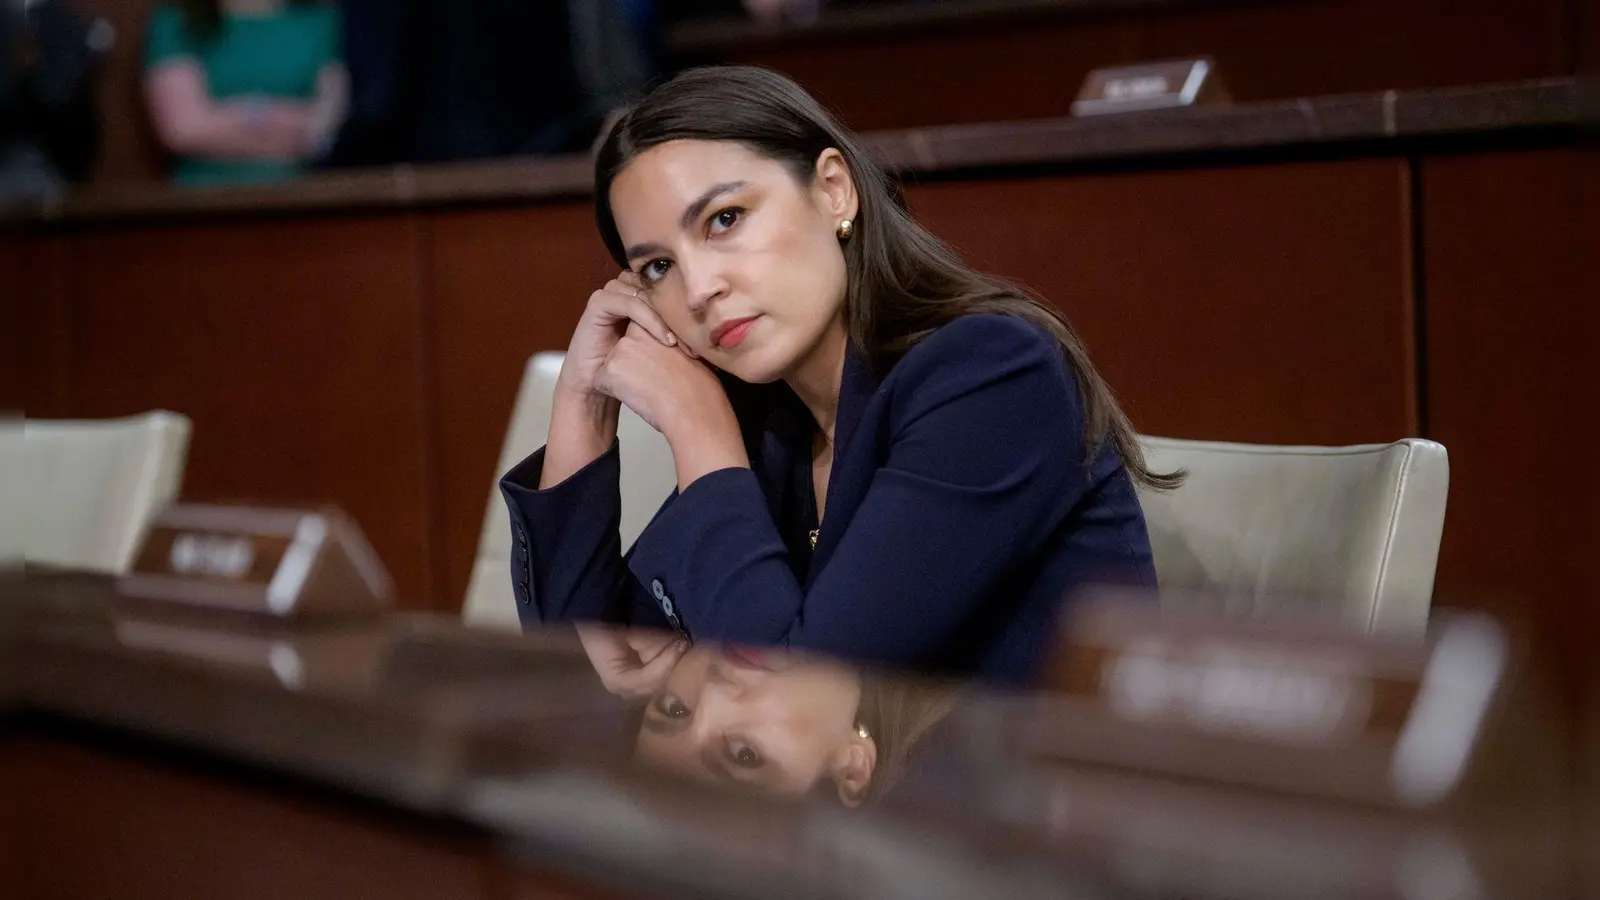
1160,85
1307,708
281,563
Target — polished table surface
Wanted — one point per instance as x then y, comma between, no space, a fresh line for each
513,737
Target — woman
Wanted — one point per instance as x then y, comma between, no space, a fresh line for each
787,724
245,91
881,454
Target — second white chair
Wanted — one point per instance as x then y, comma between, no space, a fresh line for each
1343,533
648,478
79,493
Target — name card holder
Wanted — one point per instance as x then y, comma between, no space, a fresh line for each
282,564
1160,85
1305,709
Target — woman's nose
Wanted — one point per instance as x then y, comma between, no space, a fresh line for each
721,709
703,281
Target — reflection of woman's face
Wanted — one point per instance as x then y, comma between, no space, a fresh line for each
740,259
764,720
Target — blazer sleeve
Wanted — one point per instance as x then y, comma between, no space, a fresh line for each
566,560
985,453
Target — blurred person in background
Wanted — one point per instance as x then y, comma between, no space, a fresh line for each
245,91
441,80
49,124
445,80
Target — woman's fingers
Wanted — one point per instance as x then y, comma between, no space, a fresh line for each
628,302
654,673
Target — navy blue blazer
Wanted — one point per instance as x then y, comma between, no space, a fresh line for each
961,512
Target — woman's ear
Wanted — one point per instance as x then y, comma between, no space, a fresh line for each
836,186
853,768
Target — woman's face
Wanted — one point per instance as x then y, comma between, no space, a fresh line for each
742,261
769,721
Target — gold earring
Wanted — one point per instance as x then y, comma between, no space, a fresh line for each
861,732
846,228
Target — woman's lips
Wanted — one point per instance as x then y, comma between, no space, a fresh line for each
732,332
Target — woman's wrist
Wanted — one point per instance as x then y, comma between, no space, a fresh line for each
705,441
582,428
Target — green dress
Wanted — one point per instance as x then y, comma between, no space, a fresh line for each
276,57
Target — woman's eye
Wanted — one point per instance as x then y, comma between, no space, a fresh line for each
744,756
654,270
726,219
671,707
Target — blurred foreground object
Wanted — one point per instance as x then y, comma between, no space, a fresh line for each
50,126
407,756
1349,534
86,489
280,563
1450,720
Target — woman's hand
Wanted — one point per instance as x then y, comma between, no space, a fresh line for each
583,420
631,663
604,321
679,397
663,385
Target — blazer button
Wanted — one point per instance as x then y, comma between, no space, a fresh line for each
658,589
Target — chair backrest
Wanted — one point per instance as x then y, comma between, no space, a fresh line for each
1349,533
648,478
88,488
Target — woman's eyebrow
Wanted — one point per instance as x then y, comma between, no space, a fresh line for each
693,210
690,214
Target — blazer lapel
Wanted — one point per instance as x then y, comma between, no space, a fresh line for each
853,452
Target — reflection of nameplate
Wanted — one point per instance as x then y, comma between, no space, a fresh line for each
1162,85
283,563
1305,709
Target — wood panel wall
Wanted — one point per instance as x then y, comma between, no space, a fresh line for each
298,347
1267,303
14,790
508,284
11,341
1513,384
1033,67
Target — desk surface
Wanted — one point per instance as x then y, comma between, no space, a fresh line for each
1386,119
513,735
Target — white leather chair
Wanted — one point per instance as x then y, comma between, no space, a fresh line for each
84,490
648,478
1348,533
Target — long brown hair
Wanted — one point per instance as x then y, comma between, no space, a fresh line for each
900,710
904,283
